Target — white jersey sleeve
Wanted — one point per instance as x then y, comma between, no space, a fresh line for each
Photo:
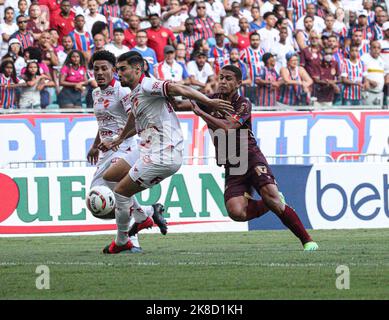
124,98
154,87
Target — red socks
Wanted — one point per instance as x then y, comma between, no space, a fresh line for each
291,220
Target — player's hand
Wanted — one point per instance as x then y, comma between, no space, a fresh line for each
115,143
221,105
93,155
195,108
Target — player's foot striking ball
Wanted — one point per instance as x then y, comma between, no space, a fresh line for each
251,170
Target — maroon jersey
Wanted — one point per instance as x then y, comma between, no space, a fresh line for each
242,114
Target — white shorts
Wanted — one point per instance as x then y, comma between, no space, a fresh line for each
148,170
106,159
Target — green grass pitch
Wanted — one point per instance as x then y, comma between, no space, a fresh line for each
238,265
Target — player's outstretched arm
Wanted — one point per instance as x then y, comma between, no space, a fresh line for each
216,123
217,104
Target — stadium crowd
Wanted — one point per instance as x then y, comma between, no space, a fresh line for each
291,52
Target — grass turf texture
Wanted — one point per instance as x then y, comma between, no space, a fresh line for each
241,265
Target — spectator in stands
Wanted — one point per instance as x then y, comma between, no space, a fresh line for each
268,80
25,37
7,28
310,56
296,86
269,35
8,84
82,40
93,16
147,53
181,54
216,10
52,5
63,21
170,69
49,57
368,6
268,6
234,60
30,96
15,51
219,54
385,57
297,9
257,22
22,8
37,22
54,40
116,46
188,37
318,22
377,26
282,48
302,36
231,23
241,39
252,57
353,78
159,37
73,79
375,75
174,18
201,75
99,42
81,8
203,24
200,45
357,39
326,79
101,28
130,33
146,8
367,31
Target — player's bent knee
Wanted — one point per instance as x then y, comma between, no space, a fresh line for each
236,212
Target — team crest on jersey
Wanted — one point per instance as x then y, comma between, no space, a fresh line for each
260,170
164,34
106,104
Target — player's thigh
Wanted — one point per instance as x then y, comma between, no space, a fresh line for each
270,195
117,170
128,187
237,207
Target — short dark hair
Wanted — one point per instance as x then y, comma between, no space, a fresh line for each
132,58
98,27
79,15
105,56
255,34
237,72
268,14
120,30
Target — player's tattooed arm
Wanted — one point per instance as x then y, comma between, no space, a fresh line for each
188,92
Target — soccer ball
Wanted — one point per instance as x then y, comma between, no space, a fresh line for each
101,202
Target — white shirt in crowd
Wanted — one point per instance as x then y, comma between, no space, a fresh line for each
200,75
268,38
113,48
318,24
89,21
173,72
375,71
141,12
175,20
266,7
6,29
385,54
281,50
215,10
231,25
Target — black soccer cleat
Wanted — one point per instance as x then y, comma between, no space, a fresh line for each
158,218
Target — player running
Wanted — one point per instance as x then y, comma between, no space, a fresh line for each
109,100
150,109
240,206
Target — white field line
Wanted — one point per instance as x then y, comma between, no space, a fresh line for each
190,263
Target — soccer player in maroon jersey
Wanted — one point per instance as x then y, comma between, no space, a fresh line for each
237,126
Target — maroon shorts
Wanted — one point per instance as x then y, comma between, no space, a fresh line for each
256,177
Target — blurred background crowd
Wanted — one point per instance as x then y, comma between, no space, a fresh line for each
291,52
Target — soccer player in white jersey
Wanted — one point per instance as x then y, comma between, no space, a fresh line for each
150,110
109,99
